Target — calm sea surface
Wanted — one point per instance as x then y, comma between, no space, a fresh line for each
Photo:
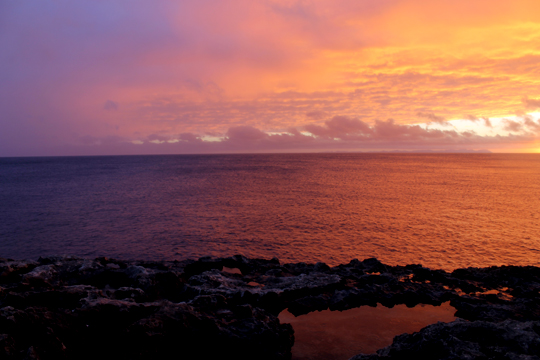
440,210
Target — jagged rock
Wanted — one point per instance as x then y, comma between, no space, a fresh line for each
130,293
65,307
10,270
122,329
462,339
40,275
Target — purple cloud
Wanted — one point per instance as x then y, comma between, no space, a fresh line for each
245,133
110,105
511,125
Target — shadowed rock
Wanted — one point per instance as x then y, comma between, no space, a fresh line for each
75,308
462,339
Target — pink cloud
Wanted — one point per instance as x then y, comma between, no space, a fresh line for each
189,137
390,130
245,133
485,120
339,127
353,134
317,115
531,124
433,118
511,125
531,103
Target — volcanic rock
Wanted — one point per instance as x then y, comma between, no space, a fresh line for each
65,307
462,339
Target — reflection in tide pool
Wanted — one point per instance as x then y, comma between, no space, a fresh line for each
339,335
441,210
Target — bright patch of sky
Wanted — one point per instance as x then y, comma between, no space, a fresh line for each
479,127
209,138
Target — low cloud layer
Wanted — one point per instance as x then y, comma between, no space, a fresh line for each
339,133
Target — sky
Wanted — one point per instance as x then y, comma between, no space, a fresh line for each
113,77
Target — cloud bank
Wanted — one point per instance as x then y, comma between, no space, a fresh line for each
338,133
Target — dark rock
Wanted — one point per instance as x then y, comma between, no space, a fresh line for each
10,270
462,339
65,307
130,293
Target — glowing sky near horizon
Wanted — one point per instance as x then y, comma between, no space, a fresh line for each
137,76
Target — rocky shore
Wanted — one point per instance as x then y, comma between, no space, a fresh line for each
75,308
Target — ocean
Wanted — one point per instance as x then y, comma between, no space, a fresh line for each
440,210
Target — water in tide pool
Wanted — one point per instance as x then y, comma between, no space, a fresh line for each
440,210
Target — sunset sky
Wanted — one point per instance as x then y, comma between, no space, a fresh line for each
163,77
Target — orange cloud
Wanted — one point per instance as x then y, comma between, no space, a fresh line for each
99,70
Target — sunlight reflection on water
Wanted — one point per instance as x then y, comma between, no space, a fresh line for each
441,210
339,335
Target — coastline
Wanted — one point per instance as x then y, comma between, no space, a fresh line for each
67,307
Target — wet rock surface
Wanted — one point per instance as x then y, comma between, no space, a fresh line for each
75,308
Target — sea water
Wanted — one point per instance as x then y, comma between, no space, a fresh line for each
441,210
